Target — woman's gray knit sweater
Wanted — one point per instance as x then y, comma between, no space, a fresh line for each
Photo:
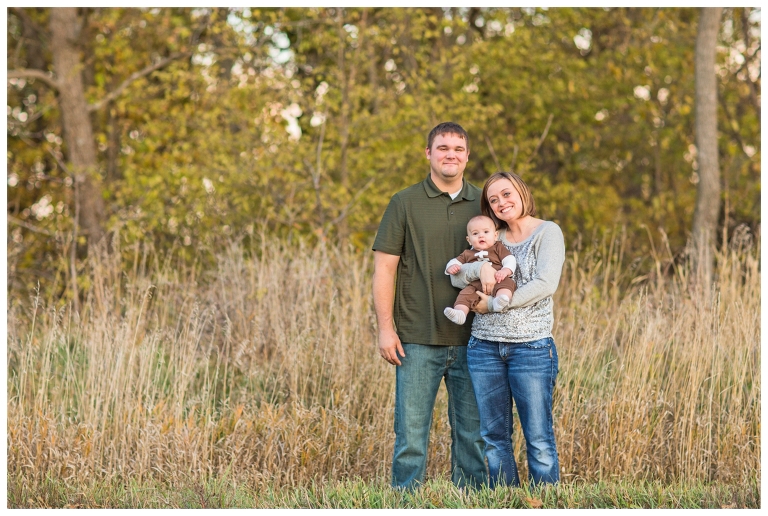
529,316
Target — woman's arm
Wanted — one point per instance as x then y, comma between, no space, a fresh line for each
550,256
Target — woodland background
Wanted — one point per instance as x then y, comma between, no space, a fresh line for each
191,199
195,127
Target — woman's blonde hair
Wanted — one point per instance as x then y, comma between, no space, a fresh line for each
529,206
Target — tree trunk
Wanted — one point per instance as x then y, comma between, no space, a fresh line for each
707,210
78,134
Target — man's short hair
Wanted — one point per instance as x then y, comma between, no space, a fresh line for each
446,128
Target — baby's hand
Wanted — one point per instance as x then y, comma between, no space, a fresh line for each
503,273
453,269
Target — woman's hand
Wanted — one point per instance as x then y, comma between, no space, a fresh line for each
487,278
482,306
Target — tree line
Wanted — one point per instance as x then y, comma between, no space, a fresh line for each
182,126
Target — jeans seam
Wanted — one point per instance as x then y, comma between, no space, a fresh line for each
508,416
550,416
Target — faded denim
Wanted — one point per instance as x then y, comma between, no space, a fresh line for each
418,380
524,372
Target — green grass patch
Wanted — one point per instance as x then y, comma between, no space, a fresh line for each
359,494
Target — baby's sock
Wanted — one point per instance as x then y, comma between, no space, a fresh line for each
455,315
500,302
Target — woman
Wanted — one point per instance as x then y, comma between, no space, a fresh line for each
511,354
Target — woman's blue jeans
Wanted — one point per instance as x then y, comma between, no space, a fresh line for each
418,380
525,372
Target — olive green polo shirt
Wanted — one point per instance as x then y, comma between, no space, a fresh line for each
426,228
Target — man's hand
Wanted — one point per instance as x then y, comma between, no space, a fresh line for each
488,277
384,272
453,269
390,346
482,306
502,274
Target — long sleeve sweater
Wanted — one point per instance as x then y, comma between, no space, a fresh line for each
530,315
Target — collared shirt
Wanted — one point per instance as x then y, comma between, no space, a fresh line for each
426,228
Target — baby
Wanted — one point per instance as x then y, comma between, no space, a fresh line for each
483,237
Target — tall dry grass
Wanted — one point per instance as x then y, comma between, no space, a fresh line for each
265,370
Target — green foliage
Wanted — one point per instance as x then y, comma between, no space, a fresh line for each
306,120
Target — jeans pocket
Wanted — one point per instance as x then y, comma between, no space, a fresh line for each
472,343
539,344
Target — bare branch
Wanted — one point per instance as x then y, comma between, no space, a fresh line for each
351,203
541,140
134,76
61,164
316,175
493,154
32,73
18,222
514,159
319,168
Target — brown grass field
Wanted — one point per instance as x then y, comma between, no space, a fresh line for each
264,369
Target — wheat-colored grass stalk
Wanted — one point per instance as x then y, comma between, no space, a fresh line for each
264,369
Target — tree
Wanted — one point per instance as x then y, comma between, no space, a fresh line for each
304,121
66,26
78,80
707,210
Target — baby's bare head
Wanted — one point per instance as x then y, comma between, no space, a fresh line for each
481,232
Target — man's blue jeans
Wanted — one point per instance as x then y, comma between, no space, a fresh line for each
418,379
524,372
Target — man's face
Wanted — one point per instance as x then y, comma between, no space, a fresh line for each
481,233
448,156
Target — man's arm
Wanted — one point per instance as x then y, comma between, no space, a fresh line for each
384,273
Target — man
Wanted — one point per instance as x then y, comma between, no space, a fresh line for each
423,227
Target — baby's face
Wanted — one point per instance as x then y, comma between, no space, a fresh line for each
481,234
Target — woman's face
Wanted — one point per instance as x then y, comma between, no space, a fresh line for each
504,200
